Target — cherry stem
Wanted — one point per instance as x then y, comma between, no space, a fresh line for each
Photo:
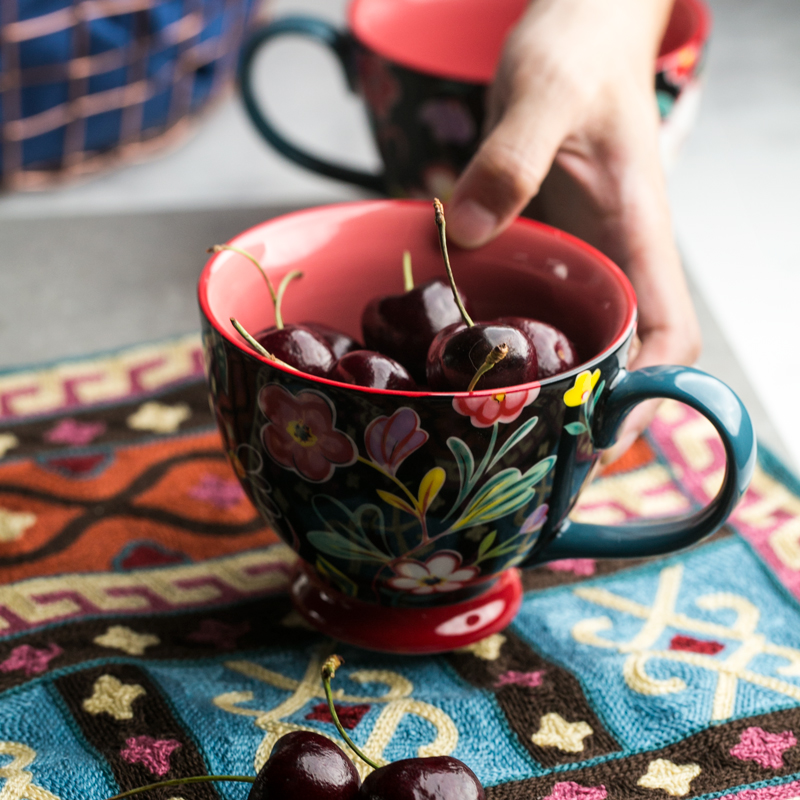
440,224
332,663
183,782
288,278
217,248
496,354
257,346
408,275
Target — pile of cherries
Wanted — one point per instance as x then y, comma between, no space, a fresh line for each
423,338
307,766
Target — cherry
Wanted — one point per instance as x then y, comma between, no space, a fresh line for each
339,342
302,764
297,346
308,765
403,326
300,347
437,778
461,354
368,368
554,350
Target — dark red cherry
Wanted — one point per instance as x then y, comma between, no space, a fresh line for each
555,351
437,778
308,766
403,326
368,368
458,352
339,342
300,347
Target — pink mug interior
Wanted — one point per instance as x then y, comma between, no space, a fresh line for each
463,39
351,253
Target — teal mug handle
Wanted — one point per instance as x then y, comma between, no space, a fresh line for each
344,46
720,405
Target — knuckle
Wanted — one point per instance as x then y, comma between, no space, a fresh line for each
513,172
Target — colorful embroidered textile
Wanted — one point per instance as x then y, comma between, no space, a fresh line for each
145,631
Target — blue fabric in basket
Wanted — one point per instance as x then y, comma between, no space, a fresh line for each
121,32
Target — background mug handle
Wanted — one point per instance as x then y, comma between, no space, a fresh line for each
343,45
720,405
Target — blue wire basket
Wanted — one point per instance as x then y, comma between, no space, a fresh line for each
86,84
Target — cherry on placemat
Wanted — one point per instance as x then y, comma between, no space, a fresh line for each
433,778
306,765
436,778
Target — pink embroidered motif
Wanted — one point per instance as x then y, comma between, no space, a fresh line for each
349,716
578,566
221,634
29,659
220,492
70,431
766,749
569,790
788,791
153,753
691,645
511,678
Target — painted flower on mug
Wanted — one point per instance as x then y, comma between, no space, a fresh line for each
449,120
681,65
582,388
391,440
485,410
379,87
533,522
442,572
301,433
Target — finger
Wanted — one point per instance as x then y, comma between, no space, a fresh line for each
508,169
659,347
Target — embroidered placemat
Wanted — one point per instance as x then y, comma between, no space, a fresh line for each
145,631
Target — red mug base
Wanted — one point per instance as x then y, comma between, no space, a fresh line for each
412,631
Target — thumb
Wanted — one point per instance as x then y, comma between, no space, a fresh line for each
507,170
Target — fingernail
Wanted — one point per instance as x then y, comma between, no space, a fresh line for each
470,224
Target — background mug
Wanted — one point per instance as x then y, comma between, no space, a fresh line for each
422,70
410,512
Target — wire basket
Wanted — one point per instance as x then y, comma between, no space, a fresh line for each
86,84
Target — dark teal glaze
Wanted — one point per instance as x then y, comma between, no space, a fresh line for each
719,404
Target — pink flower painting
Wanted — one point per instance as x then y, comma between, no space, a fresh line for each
485,410
301,433
391,440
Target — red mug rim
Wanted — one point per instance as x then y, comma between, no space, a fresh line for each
478,71
224,329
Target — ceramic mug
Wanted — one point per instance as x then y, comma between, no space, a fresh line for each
422,70
410,512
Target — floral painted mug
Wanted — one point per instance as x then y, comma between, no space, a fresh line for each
410,512
422,69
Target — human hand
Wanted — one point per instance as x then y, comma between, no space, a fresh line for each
572,121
